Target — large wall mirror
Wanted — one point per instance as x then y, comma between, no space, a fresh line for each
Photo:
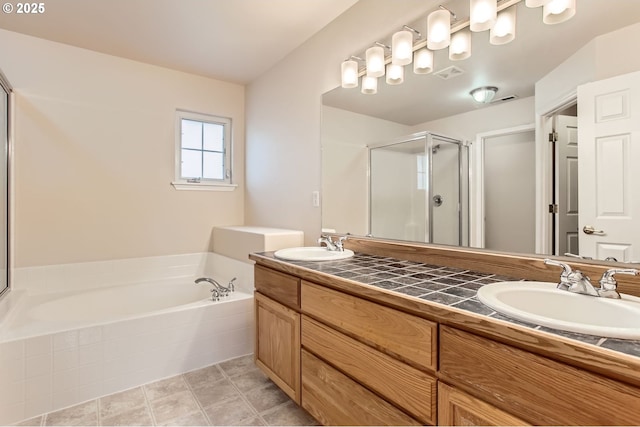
510,188
4,185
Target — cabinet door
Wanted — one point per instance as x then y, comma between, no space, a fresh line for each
457,408
277,347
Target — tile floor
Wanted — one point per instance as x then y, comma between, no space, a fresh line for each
234,392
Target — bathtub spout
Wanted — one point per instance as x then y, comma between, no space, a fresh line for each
220,291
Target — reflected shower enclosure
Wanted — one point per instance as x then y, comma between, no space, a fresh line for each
418,189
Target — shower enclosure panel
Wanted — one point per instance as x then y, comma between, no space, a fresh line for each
416,189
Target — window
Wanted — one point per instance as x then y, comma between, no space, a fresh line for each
203,152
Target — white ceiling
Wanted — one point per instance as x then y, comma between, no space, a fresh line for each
230,40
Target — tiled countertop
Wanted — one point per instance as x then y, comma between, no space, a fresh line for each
443,285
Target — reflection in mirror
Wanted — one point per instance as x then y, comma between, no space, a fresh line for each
523,193
4,142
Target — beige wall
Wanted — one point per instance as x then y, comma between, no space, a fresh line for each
94,155
284,114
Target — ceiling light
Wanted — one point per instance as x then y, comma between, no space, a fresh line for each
402,47
349,74
438,29
369,85
423,61
484,94
482,14
557,11
460,47
395,74
504,30
375,61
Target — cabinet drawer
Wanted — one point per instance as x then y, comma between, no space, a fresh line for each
404,336
335,399
532,387
407,387
456,408
278,286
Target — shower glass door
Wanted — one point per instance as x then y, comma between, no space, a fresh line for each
417,188
446,182
398,182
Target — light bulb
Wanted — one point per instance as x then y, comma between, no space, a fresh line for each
504,31
395,74
438,29
423,61
369,85
558,11
375,61
402,47
349,74
482,14
460,47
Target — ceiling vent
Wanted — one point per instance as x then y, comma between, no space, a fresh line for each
505,99
449,72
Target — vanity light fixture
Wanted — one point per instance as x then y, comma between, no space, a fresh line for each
444,30
460,47
558,11
423,61
482,14
484,94
504,31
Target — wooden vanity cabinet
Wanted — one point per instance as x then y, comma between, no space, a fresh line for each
531,387
277,333
385,356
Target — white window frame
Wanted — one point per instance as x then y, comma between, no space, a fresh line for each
181,183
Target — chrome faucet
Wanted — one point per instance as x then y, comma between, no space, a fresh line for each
575,281
218,290
332,245
608,284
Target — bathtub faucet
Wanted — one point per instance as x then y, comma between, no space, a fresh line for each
218,290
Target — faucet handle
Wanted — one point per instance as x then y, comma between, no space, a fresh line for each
608,283
564,283
230,286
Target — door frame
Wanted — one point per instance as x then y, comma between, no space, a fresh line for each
476,181
545,239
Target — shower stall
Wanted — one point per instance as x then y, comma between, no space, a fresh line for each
419,189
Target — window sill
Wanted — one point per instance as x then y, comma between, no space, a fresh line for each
203,186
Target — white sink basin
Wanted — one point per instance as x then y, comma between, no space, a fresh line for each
542,304
312,253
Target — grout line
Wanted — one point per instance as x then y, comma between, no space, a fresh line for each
147,403
204,413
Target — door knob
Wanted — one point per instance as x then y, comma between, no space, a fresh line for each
588,229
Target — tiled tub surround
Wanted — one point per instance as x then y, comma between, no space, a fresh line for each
452,287
67,362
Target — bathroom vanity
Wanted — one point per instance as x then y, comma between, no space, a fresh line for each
355,342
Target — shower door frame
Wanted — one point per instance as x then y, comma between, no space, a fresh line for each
428,142
6,86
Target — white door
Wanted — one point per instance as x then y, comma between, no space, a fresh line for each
609,172
566,128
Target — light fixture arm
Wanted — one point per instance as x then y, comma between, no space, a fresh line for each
416,32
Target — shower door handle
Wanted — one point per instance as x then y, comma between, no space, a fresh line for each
437,200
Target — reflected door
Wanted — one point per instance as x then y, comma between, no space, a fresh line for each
609,154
